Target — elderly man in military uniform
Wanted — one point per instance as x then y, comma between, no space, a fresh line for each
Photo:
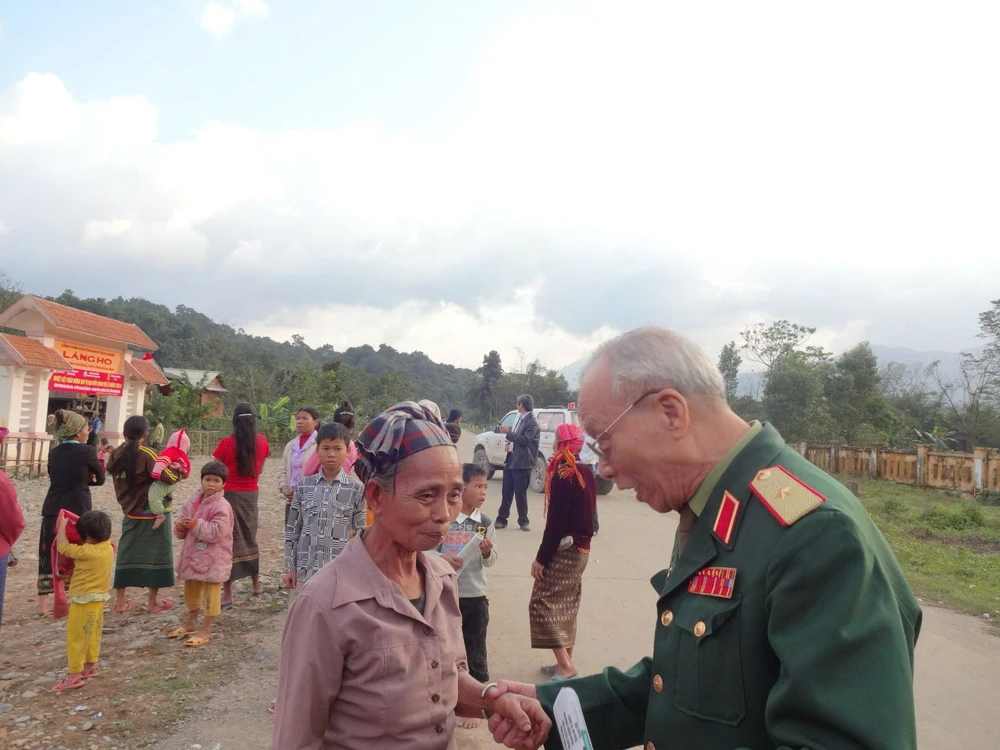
783,620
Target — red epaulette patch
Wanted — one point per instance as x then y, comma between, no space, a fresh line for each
725,521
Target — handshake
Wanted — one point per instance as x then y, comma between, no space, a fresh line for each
517,719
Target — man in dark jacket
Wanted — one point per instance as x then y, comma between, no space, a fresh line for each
522,451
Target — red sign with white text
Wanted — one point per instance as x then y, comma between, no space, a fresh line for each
88,381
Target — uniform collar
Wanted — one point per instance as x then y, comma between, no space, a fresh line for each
476,515
708,484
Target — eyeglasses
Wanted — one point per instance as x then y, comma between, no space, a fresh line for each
593,444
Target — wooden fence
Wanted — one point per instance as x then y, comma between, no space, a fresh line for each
923,467
24,458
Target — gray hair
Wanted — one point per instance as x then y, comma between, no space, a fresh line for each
650,358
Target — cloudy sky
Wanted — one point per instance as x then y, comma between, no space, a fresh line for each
459,176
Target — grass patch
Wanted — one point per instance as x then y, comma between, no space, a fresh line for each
949,547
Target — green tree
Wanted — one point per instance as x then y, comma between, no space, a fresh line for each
769,344
729,364
182,408
10,291
487,392
860,413
794,400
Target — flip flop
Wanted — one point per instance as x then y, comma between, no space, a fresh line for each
89,672
128,608
163,606
271,706
560,678
548,670
68,683
196,642
180,632
226,605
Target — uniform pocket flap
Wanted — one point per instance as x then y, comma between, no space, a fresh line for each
704,615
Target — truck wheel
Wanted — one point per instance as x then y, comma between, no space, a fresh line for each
604,486
483,462
538,475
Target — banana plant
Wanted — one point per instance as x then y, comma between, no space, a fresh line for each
276,413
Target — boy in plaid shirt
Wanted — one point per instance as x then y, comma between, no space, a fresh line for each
327,509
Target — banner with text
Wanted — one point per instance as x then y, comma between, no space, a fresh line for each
89,358
89,382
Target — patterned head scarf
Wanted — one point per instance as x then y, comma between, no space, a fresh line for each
569,443
395,434
71,424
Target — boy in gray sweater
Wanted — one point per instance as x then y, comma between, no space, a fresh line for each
472,598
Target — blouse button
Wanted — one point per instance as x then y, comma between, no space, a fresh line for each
434,664
439,728
427,631
435,698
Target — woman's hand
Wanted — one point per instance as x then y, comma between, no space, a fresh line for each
518,720
289,494
537,570
454,561
160,518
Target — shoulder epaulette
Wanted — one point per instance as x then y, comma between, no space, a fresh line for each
786,496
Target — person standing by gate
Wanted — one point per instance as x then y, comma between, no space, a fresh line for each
522,452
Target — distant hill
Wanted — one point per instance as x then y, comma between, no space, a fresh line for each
187,338
749,380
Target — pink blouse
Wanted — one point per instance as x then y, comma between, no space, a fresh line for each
362,668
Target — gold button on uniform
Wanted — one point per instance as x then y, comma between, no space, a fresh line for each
658,683
667,617
699,629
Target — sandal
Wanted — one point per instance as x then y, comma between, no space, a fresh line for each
89,672
126,610
197,641
163,606
549,670
69,682
180,632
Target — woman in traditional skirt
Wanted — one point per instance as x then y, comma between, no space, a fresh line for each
145,551
73,470
570,502
243,453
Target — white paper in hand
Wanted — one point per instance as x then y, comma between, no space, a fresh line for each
570,722
469,551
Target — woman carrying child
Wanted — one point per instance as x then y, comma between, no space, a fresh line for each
94,560
145,549
206,560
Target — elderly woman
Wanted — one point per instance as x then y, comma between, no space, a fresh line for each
372,654
570,499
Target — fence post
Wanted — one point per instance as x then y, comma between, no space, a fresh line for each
922,451
978,469
873,461
834,458
803,448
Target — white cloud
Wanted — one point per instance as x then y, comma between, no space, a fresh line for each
670,165
219,18
4,230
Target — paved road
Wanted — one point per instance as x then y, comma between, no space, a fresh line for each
958,659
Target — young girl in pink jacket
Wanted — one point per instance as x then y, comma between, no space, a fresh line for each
206,560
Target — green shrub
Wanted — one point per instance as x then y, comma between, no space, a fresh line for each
962,517
989,497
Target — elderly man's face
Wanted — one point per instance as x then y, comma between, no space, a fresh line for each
639,448
428,498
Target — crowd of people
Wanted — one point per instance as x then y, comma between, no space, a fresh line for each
783,619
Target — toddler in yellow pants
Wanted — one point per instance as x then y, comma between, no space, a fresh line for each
88,591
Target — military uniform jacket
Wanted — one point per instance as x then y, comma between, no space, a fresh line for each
785,623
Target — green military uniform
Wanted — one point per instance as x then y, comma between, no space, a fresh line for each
785,622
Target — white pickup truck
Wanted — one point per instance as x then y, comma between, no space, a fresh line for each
490,447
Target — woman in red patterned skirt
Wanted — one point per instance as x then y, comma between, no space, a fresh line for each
570,502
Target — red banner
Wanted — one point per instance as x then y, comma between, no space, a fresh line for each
88,381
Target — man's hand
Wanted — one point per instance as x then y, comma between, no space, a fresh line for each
455,562
504,429
486,546
517,721
289,579
537,570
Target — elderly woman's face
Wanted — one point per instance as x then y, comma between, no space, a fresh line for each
428,497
